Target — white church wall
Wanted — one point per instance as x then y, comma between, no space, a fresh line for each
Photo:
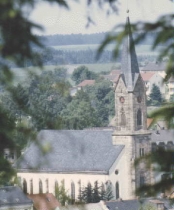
118,174
68,179
125,167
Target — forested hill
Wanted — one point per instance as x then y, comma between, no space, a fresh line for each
73,39
81,39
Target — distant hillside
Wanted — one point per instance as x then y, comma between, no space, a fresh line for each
82,39
73,39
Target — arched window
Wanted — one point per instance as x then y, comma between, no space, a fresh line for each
139,117
142,180
31,186
25,186
122,118
40,187
117,193
56,188
72,192
47,186
80,191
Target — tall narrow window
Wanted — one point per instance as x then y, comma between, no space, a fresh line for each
141,152
40,187
80,191
47,186
117,193
72,192
56,188
25,186
122,118
139,117
31,186
142,180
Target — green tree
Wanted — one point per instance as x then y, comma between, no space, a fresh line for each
161,163
108,194
102,192
48,95
147,207
155,95
79,113
96,192
102,100
90,194
87,194
61,194
82,73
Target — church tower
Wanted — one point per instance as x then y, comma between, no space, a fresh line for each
130,120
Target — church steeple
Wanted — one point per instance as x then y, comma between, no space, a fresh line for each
130,92
129,62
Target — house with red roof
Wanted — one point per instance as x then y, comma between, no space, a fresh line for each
151,78
44,201
80,86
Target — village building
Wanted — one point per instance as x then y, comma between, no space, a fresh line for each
13,198
150,79
81,86
170,89
44,201
158,67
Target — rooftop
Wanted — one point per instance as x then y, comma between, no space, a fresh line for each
71,151
123,204
147,76
158,66
163,136
13,196
86,82
46,201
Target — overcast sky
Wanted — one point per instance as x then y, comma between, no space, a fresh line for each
57,20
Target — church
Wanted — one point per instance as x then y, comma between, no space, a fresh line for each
77,157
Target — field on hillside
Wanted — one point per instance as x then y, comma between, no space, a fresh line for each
140,49
20,74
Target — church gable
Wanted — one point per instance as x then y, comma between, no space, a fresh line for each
120,87
139,85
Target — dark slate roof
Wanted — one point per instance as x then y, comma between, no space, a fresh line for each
129,62
71,151
136,204
13,196
155,67
123,204
162,136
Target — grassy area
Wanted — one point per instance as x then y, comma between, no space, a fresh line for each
20,74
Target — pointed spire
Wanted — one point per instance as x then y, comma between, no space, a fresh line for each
129,62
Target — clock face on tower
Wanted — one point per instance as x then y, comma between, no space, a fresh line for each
122,100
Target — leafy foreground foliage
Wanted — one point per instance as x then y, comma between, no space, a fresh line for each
17,42
161,162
